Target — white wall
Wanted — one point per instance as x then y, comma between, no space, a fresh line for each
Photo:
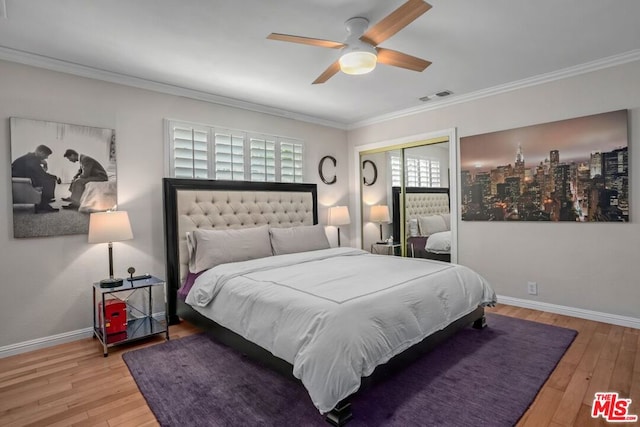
46,282
588,266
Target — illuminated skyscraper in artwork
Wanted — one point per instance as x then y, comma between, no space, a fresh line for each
519,169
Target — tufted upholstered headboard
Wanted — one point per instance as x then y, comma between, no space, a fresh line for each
419,201
190,204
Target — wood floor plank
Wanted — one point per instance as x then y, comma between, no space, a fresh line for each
571,400
614,340
542,409
622,373
67,381
592,353
65,422
600,380
634,394
584,419
32,395
629,340
604,328
133,417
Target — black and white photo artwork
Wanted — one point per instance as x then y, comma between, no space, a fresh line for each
60,173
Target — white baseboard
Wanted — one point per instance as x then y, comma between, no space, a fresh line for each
614,319
39,343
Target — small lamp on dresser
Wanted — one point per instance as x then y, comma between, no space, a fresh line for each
380,214
109,227
339,215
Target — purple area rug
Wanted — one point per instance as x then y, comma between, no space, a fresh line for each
476,378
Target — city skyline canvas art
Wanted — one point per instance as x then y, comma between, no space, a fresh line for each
573,170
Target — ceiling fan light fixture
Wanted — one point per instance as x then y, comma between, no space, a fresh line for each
358,58
358,62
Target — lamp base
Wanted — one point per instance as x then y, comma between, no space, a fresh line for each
110,283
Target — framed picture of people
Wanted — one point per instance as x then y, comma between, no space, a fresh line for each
60,173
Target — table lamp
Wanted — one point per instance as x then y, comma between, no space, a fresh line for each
109,227
339,215
380,214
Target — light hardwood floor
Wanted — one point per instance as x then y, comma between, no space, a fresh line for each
72,384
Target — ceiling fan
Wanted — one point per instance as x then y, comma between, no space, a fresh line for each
359,51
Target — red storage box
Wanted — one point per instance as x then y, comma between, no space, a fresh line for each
115,316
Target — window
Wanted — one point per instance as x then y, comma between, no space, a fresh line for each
190,152
216,153
419,171
291,162
228,149
263,159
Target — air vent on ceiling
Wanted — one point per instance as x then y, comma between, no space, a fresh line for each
3,9
444,93
440,94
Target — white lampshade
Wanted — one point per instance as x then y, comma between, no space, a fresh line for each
110,226
379,213
339,215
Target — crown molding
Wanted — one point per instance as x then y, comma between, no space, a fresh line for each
53,64
611,61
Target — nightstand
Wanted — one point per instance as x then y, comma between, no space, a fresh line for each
133,311
384,248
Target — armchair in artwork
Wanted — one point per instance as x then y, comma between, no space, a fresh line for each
98,196
24,193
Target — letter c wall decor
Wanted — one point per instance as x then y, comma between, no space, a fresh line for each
375,173
326,181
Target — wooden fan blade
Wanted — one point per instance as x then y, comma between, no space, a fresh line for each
328,73
395,21
305,40
402,60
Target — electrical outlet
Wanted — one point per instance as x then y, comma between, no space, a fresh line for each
532,288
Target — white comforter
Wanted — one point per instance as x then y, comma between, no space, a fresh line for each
336,314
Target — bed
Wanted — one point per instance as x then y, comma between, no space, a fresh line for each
427,222
273,310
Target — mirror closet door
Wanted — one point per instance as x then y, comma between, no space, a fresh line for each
399,185
424,199
375,207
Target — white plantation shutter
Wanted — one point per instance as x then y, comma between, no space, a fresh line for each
291,160
419,171
190,152
434,168
199,151
263,159
229,155
396,171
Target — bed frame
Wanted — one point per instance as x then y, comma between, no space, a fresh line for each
192,203
419,201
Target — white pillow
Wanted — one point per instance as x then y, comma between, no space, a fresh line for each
431,224
414,231
298,239
214,247
439,243
447,220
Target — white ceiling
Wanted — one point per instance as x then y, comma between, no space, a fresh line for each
219,48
